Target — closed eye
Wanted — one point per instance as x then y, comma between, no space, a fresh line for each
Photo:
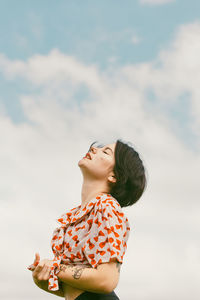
105,152
109,149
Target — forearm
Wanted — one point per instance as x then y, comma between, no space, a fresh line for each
85,278
43,284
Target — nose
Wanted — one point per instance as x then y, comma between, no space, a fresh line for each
93,149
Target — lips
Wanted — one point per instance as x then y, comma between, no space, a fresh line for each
88,156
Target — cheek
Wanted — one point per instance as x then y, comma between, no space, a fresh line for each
107,163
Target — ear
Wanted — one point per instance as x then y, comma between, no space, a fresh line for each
112,178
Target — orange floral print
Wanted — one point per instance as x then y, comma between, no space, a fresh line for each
92,235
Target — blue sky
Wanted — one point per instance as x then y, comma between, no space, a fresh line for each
73,72
104,33
75,27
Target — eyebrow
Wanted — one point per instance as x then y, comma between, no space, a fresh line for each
109,149
100,147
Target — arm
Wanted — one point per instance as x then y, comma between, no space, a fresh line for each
43,284
39,275
103,279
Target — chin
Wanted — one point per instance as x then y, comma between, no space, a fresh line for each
80,161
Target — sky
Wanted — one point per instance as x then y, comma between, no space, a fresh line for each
73,72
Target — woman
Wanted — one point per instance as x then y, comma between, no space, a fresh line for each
90,244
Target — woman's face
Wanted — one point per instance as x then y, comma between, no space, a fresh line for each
100,162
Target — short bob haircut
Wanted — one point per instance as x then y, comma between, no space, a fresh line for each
129,173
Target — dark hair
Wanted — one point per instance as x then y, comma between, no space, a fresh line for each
129,173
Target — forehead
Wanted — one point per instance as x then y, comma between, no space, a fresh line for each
112,146
101,145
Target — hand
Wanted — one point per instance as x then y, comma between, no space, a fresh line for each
41,269
35,263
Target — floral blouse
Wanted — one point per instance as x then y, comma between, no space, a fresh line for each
90,236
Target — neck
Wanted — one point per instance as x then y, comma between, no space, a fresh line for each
90,189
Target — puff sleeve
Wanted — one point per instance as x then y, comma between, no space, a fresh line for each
108,234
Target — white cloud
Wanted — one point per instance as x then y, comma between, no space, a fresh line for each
155,2
174,73
41,178
55,67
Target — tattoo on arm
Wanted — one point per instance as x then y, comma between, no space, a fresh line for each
76,270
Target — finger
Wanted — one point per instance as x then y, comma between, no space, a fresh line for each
31,267
37,259
44,273
49,263
35,263
37,271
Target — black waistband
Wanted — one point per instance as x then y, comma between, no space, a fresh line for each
95,296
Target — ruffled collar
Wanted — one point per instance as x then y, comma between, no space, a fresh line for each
77,213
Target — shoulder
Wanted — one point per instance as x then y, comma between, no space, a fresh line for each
107,200
108,207
108,203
